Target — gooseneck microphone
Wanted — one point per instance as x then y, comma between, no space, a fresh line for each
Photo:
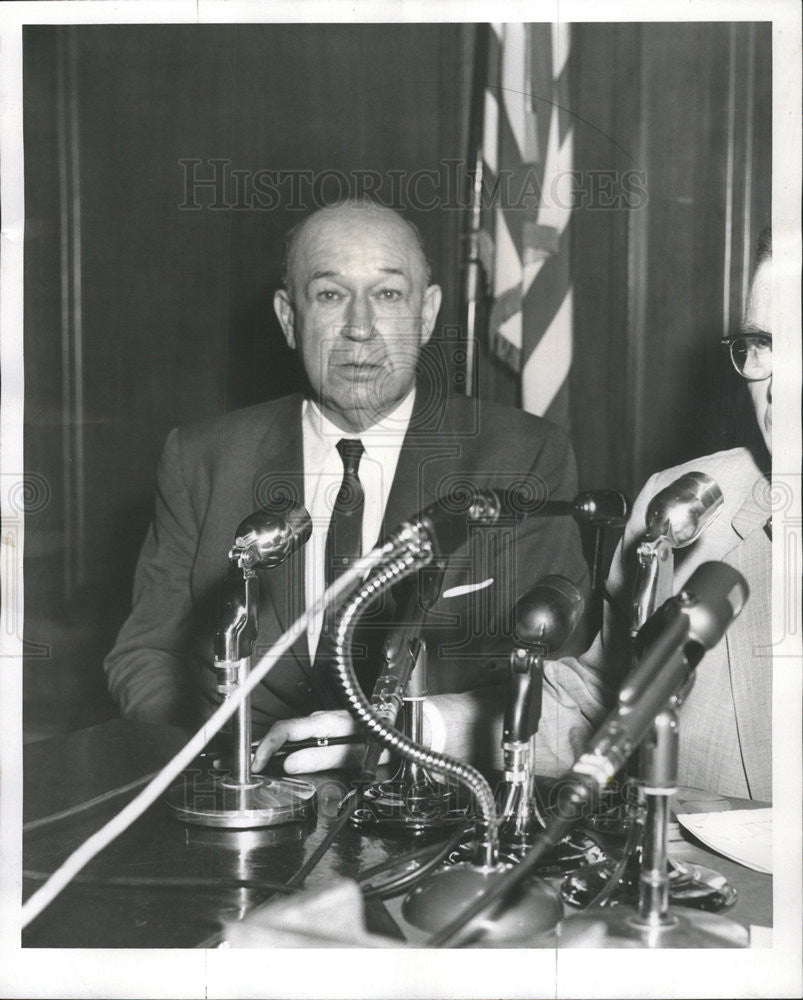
445,523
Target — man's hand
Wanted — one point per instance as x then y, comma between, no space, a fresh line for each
317,725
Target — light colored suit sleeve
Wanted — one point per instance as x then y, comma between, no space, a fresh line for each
575,699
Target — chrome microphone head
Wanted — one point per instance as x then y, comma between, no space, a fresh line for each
547,614
264,539
684,509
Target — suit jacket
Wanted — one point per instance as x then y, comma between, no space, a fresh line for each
725,722
212,475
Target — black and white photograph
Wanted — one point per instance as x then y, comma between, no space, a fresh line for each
401,550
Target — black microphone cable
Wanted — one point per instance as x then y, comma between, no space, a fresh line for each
394,886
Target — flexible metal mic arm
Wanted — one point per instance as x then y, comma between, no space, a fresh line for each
413,549
400,653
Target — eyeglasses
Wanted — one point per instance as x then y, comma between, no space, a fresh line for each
751,355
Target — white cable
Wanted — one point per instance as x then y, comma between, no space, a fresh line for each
80,857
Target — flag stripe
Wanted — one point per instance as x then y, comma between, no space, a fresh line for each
528,227
545,295
562,98
547,367
541,82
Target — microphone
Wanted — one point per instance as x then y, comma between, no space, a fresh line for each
601,508
682,511
692,623
606,508
547,614
544,619
675,518
446,522
402,644
265,540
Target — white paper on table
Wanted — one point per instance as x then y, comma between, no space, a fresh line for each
743,835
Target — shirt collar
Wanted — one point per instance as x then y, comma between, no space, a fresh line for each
755,511
389,431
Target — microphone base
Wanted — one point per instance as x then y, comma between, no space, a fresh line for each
573,853
621,928
532,908
690,885
215,800
410,807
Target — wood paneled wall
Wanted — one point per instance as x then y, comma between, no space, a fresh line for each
687,106
143,312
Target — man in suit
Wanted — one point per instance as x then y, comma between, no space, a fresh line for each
358,307
725,722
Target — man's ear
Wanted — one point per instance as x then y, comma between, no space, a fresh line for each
285,313
429,311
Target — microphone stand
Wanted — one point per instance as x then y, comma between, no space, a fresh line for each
239,799
690,624
521,819
675,518
653,923
412,801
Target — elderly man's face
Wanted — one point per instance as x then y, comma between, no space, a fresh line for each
758,317
358,311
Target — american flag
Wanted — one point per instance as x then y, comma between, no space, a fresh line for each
527,196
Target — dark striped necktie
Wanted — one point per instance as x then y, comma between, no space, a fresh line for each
343,541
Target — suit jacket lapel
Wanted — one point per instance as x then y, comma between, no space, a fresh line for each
435,459
429,459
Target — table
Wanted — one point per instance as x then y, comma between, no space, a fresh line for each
68,770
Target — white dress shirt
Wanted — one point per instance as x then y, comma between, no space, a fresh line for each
323,475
